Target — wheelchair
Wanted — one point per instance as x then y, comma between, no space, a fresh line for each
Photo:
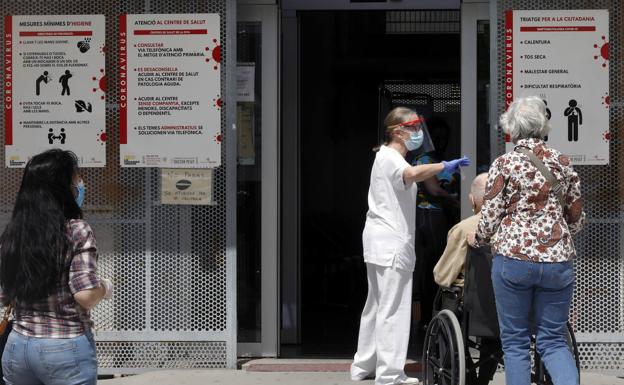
462,343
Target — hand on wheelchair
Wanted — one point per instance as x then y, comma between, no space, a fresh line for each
471,240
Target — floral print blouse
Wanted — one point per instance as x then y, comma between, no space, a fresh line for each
521,217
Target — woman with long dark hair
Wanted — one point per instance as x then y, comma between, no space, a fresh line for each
48,275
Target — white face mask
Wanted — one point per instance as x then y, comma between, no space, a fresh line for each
415,140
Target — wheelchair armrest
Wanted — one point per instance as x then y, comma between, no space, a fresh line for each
451,289
449,298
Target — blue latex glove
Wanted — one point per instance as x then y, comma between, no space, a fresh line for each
453,165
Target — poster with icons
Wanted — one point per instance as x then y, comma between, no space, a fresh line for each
55,84
170,90
562,56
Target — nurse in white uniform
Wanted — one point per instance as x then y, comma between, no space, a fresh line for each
388,241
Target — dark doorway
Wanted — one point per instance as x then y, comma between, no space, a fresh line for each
344,57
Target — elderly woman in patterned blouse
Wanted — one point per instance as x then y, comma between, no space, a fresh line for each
531,237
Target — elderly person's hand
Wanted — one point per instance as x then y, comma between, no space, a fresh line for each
470,239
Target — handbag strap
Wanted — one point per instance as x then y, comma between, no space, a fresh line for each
7,311
557,188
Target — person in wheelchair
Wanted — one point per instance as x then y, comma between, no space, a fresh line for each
532,208
450,273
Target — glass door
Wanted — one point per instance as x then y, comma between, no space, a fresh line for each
486,150
475,94
257,180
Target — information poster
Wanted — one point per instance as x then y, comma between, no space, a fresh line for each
245,82
54,87
563,57
186,187
170,90
245,128
245,97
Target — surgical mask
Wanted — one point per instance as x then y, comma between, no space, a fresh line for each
415,140
81,193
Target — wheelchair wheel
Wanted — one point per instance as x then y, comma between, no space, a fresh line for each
539,374
444,359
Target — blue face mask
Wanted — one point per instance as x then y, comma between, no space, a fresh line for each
415,140
81,193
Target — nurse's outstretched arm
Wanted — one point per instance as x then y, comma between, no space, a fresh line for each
424,171
421,172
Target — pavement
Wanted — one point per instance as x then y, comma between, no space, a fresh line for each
292,372
241,377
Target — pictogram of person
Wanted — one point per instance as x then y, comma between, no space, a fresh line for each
43,78
64,80
548,115
51,136
62,136
575,119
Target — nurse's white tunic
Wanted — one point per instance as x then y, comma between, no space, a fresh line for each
388,236
388,240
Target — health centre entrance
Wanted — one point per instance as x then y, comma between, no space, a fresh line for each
343,69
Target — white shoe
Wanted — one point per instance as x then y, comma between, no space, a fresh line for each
410,381
363,377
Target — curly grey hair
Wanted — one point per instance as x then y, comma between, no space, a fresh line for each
526,118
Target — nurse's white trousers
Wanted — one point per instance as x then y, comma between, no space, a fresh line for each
385,326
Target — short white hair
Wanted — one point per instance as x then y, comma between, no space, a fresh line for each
477,188
526,118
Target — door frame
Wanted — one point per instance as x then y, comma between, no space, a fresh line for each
268,16
290,185
471,13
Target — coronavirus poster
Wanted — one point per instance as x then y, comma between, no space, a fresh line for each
54,87
170,90
563,57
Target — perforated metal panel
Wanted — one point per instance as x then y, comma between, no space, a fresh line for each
168,355
597,312
423,22
604,358
169,265
446,96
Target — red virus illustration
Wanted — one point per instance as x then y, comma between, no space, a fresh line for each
606,100
103,49
101,137
215,54
604,51
606,136
218,138
217,102
101,83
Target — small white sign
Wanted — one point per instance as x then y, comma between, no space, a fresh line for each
563,57
186,187
245,78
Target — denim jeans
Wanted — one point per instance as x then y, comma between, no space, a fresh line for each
49,361
544,291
